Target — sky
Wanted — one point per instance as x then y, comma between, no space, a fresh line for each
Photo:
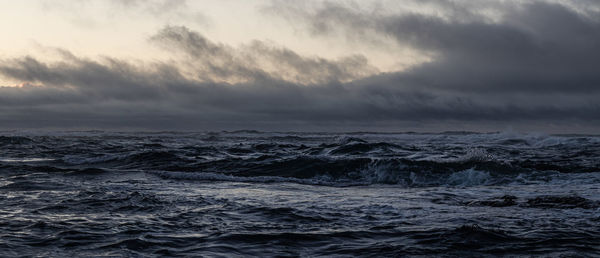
274,65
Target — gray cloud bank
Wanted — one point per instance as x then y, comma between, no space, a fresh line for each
534,68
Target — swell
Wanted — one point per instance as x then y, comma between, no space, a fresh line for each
361,171
97,202
465,240
14,140
313,169
411,160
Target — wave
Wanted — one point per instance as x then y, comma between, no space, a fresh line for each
413,160
237,164
136,159
354,148
544,202
121,201
14,140
563,202
25,160
360,171
533,140
459,179
477,236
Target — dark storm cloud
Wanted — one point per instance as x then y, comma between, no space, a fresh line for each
538,61
86,93
535,47
537,65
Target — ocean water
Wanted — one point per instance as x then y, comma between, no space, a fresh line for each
249,193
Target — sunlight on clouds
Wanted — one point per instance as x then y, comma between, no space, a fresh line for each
7,82
120,29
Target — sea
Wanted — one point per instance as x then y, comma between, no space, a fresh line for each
275,194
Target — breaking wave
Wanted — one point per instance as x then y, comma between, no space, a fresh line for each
409,160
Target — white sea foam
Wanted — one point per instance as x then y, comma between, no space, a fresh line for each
25,159
469,177
382,173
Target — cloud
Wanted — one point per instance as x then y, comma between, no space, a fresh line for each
535,46
170,9
85,13
218,62
532,66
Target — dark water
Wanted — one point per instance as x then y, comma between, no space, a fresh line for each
276,194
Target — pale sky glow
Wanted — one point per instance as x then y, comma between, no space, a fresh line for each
301,65
121,28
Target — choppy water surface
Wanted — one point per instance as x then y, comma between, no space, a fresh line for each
308,194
